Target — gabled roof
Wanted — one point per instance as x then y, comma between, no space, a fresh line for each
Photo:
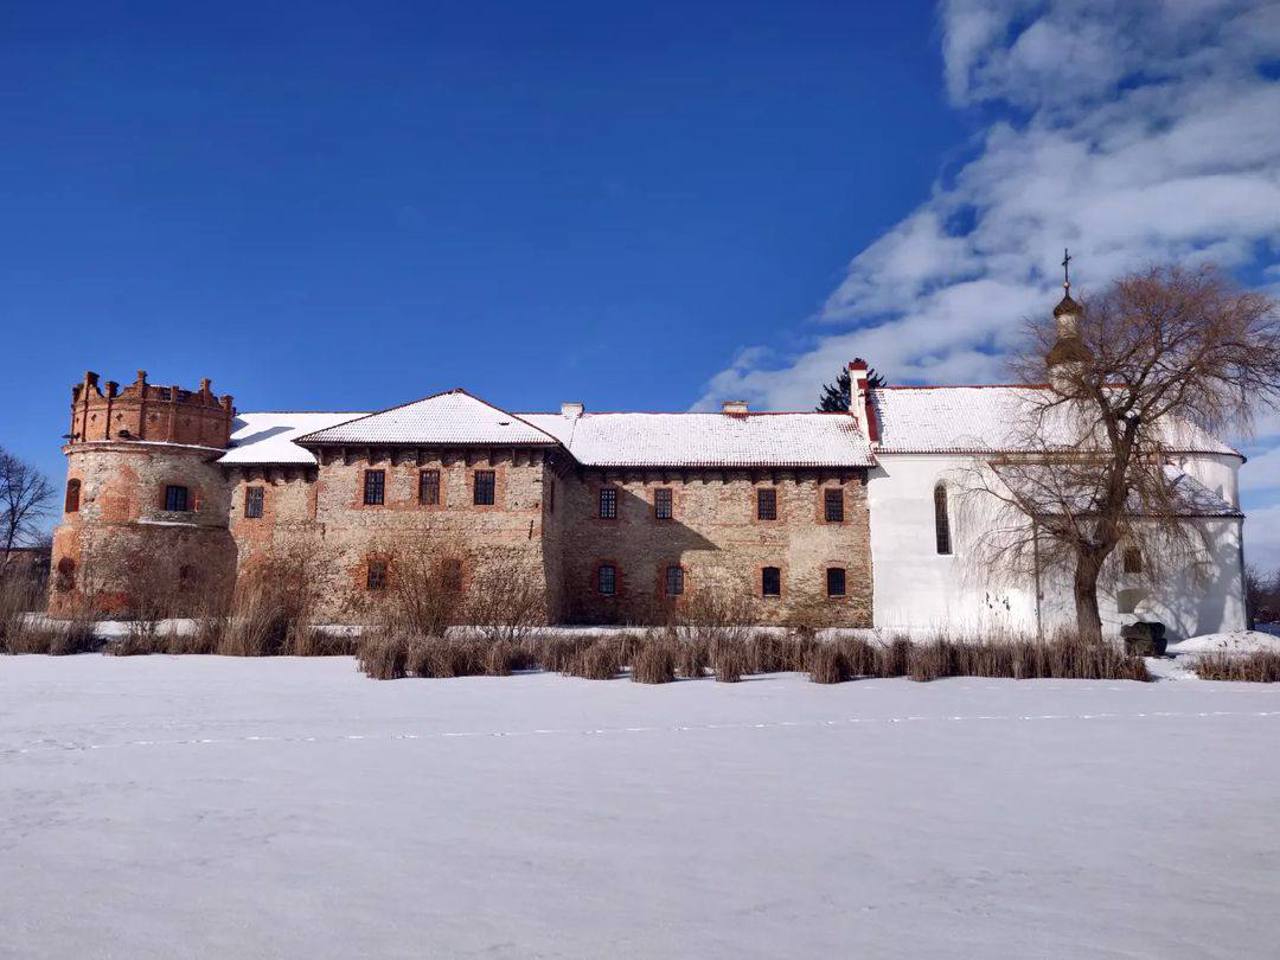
453,417
709,439
984,419
268,438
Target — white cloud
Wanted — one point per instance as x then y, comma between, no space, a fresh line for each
1135,133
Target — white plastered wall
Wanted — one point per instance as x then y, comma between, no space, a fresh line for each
919,591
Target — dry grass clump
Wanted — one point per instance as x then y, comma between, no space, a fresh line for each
654,662
729,663
828,664
54,639
1260,667
383,656
692,659
599,661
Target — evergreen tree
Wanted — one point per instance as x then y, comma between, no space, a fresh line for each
835,396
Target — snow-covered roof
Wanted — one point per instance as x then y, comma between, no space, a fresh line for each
268,437
981,419
454,417
709,439
1196,499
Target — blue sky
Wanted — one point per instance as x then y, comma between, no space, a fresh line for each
648,207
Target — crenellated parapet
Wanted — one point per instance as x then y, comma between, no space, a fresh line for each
146,412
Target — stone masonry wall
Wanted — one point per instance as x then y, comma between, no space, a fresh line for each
121,528
715,537
325,513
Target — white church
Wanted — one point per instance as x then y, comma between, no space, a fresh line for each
931,569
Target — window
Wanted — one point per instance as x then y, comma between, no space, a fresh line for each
675,581
766,504
771,582
1133,560
835,581
72,503
941,522
375,487
607,580
429,487
608,503
662,503
833,505
253,502
376,576
482,488
175,499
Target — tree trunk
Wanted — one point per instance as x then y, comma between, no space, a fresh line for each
1088,619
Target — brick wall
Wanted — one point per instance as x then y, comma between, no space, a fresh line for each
715,536
121,519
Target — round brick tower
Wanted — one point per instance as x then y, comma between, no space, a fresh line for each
145,516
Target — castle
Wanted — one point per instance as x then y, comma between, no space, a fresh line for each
617,516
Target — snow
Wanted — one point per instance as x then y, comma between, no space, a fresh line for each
205,807
709,439
978,419
443,418
1234,641
268,437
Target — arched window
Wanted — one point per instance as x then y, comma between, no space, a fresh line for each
73,497
941,519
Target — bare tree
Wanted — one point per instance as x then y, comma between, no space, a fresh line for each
26,496
1136,375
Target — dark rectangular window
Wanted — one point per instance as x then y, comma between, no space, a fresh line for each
482,488
835,581
175,499
72,503
1133,560
675,581
607,580
833,506
429,487
376,577
375,487
771,582
608,502
766,504
662,503
253,502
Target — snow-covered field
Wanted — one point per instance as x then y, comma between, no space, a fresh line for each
201,807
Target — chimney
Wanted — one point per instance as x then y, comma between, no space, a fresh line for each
735,408
571,411
860,405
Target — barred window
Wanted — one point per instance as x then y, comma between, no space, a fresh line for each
175,499
833,505
835,581
608,503
607,579
253,498
375,487
376,576
771,582
72,503
767,503
941,520
482,488
675,581
662,503
429,487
